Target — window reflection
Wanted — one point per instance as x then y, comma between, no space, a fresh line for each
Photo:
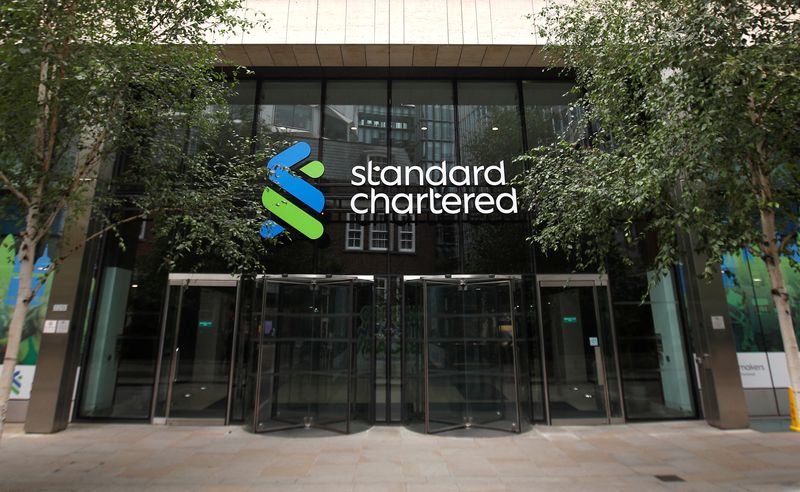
548,114
490,131
290,110
423,134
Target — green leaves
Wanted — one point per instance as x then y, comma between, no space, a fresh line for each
100,100
691,101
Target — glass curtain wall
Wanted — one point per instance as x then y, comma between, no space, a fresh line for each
351,122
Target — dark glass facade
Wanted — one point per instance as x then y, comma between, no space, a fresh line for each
437,320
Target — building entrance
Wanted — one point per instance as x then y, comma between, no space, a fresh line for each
461,354
197,348
310,353
580,354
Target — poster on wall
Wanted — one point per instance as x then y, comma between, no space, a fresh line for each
32,328
754,369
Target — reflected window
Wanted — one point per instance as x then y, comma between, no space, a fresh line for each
355,233
549,115
379,233
406,237
290,110
489,124
355,126
423,134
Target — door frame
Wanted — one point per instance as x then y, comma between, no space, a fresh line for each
185,280
593,280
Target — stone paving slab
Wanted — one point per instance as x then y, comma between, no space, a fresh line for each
135,458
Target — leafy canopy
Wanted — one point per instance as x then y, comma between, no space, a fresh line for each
688,101
118,106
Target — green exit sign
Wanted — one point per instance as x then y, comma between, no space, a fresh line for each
570,319
205,324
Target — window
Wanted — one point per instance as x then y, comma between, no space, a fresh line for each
379,233
406,237
354,233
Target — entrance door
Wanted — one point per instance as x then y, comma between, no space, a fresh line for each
200,340
580,363
315,354
469,353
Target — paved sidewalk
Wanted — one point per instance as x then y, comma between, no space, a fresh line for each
121,457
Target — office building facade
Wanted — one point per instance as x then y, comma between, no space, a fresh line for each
418,300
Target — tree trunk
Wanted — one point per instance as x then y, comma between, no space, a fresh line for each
27,253
781,298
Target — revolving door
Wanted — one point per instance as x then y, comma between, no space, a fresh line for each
460,359
310,352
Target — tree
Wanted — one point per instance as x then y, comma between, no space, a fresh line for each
85,84
693,107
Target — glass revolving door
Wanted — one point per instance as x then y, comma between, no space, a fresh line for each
460,354
312,354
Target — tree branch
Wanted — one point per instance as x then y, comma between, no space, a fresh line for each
13,189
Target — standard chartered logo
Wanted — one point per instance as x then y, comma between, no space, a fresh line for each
452,189
307,194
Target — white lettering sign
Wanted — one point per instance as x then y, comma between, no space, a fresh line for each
435,201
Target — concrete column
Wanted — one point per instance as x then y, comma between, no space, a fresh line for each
59,353
714,347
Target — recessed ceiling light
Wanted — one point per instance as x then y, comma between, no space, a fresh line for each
354,128
133,286
424,128
494,128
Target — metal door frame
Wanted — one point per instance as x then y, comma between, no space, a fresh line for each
309,279
458,280
582,280
185,280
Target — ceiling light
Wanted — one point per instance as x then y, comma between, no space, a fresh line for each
494,128
354,128
424,128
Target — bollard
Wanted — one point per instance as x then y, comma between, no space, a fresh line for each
793,411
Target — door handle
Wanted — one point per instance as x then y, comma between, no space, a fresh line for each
177,361
601,370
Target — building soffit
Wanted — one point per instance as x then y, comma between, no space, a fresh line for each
385,55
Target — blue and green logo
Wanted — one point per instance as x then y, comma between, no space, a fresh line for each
280,175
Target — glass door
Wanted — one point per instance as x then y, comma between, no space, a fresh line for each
199,348
315,356
580,363
469,361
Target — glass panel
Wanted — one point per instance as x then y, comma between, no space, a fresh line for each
382,341
354,127
423,134
490,132
173,308
362,393
548,115
609,362
355,133
290,110
573,353
205,338
531,384
249,333
471,363
653,362
413,372
315,369
121,363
